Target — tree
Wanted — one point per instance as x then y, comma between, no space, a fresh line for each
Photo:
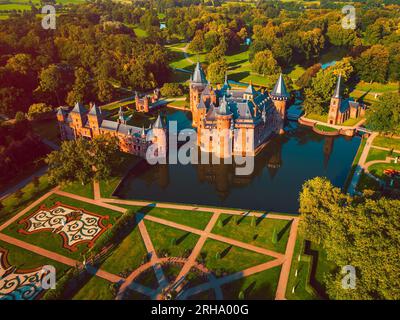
35,182
216,54
216,71
18,194
264,63
197,44
362,232
56,79
83,161
373,64
340,37
37,109
82,88
384,115
105,91
171,90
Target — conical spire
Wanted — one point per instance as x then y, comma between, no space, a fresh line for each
143,132
337,93
250,89
199,75
79,108
158,124
95,110
280,90
223,108
226,85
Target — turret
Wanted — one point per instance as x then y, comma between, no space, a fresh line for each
224,117
78,115
280,96
95,117
160,137
250,92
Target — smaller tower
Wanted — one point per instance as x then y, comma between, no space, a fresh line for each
95,118
78,116
250,92
336,101
198,83
160,138
280,97
137,101
224,116
62,118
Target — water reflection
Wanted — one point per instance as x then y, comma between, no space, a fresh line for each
279,172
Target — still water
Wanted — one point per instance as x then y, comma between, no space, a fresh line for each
280,170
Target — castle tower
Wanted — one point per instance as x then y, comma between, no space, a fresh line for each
336,101
146,104
160,137
78,116
250,92
198,82
223,143
280,97
95,119
137,101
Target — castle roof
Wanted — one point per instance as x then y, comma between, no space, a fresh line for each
211,114
61,111
224,108
280,90
79,108
199,75
337,92
226,85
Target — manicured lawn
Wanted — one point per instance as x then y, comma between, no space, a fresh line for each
377,87
25,259
386,142
79,189
13,205
317,117
256,231
377,154
171,271
325,128
223,257
378,168
259,286
195,219
303,289
128,255
148,279
162,237
95,289
52,241
351,122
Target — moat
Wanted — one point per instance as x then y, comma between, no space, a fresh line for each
280,170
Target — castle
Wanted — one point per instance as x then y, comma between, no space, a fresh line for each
147,103
80,122
235,122
341,109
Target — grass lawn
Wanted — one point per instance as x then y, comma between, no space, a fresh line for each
162,237
303,289
259,286
325,128
223,257
386,142
52,241
79,189
378,168
171,271
148,279
377,154
351,122
377,87
95,289
25,259
127,256
13,205
317,117
259,235
195,219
